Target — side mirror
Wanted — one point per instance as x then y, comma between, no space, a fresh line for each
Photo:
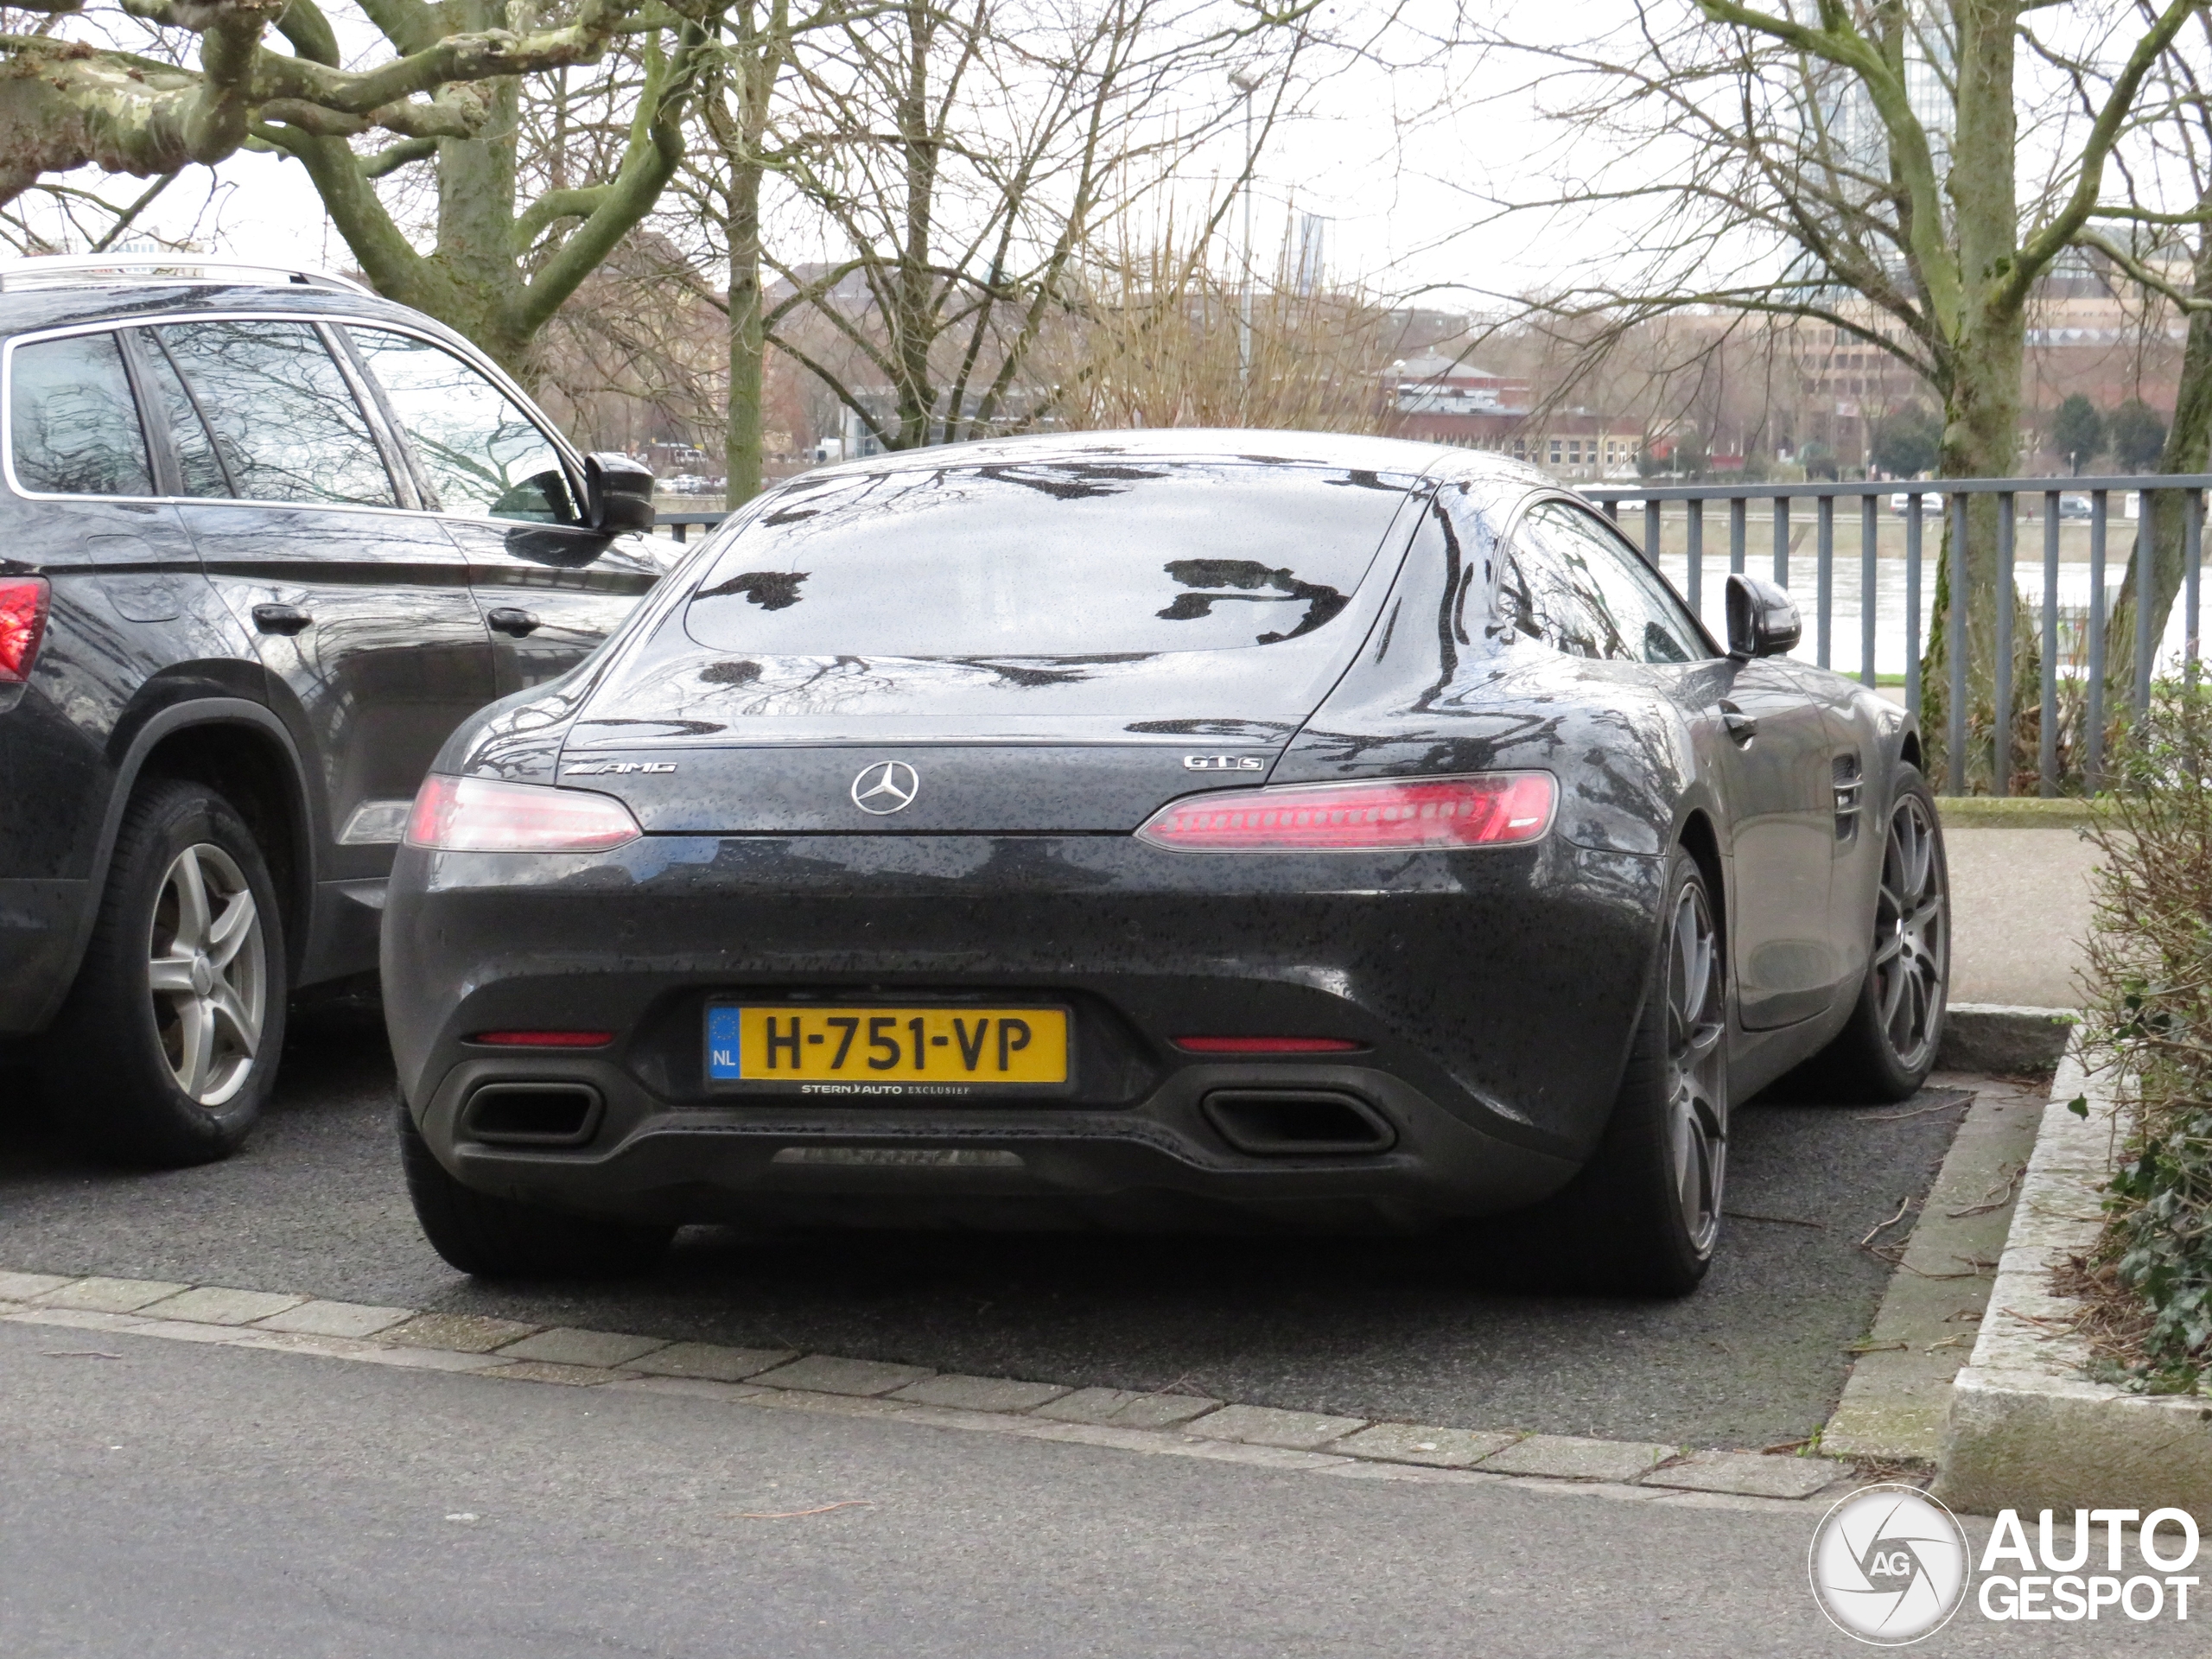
620,494
1762,619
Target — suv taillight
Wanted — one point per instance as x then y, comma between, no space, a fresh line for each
22,624
1495,809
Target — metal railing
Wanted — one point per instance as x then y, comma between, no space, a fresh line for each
2087,630
2078,631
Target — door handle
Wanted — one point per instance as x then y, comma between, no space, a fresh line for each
507,619
1740,726
280,619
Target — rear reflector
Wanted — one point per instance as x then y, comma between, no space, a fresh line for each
482,815
544,1039
1489,810
22,623
1265,1045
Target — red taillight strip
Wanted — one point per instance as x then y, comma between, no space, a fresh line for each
543,1038
23,625
1484,809
1265,1045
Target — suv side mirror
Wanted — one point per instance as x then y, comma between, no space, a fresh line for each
621,494
1762,619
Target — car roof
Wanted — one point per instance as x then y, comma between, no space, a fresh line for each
1349,449
59,305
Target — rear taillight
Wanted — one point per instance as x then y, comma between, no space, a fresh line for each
482,815
543,1038
1488,810
23,625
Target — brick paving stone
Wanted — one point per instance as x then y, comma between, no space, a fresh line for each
539,1371
1297,1430
564,1345
981,1393
462,1333
1127,1408
826,1373
1437,1448
1570,1457
210,1304
108,1295
1750,1474
709,1361
321,1318
21,1287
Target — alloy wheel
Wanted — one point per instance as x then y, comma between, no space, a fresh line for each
1911,936
1696,1111
208,972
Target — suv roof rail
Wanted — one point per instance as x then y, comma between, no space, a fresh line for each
92,269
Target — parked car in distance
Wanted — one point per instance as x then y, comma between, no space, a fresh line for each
266,540
1155,829
1931,502
2075,505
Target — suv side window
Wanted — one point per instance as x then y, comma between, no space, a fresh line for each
72,423
482,457
285,423
1569,581
198,460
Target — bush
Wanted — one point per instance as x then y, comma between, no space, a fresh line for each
2151,1016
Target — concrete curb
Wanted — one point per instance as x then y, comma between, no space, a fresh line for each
1998,1040
2027,1429
1174,1425
1899,1394
2013,812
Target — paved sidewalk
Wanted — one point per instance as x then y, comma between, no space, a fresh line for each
2021,906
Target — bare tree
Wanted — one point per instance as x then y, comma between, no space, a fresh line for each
1858,163
963,152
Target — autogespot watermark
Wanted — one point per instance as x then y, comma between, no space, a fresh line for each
1891,1565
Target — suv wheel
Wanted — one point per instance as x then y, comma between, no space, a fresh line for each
168,1046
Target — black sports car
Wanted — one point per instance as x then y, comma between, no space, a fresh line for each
1154,830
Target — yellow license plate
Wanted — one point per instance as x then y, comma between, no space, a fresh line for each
954,1048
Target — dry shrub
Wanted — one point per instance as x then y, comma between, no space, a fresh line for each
2151,1017
1151,340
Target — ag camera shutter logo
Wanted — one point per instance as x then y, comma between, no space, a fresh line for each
1889,1564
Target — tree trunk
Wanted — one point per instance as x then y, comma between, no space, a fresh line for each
1982,399
741,438
2189,449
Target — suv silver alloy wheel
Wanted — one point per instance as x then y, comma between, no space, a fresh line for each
1695,1025
1911,935
208,971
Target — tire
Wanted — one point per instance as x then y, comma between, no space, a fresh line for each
167,1047
493,1238
1644,1216
1895,1030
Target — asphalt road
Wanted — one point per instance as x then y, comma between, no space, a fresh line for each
1372,1328
197,1502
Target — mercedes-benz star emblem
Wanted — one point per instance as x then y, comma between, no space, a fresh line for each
886,786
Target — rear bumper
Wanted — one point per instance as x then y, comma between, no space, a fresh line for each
1493,993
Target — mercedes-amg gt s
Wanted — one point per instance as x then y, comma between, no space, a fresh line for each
1154,830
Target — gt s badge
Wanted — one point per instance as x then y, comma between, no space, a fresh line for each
1223,762
609,768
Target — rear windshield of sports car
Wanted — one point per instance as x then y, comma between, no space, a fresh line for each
1090,557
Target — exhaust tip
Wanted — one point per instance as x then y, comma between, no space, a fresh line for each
1297,1122
533,1114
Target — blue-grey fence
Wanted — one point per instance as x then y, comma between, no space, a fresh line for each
2081,627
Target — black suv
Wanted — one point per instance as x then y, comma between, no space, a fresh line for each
266,540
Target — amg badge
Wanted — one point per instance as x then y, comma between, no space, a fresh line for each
610,768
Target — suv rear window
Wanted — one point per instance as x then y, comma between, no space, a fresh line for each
72,425
1078,557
